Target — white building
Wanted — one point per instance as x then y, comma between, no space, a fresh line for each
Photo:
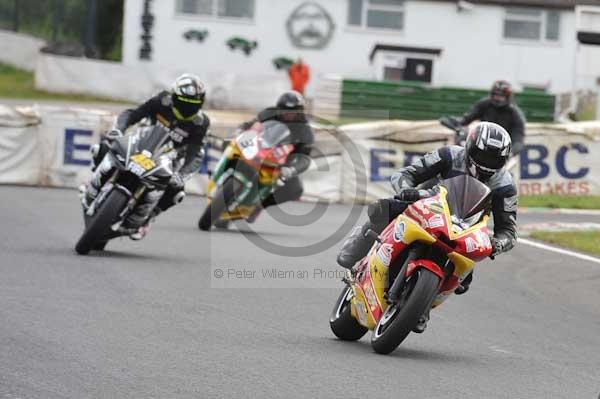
233,43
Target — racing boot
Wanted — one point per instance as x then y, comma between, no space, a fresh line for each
355,247
137,223
142,231
422,323
464,285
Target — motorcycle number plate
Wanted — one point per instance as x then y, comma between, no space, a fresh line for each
143,161
140,164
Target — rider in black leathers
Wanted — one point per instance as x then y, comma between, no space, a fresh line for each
483,157
290,111
500,108
179,111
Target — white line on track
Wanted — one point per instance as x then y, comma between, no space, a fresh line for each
559,250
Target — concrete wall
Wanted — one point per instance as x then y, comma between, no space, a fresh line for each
19,50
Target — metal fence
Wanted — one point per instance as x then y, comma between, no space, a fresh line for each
413,101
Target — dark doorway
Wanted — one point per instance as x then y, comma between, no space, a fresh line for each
419,70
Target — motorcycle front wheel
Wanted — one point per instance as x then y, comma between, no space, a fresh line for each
99,225
342,324
223,197
399,319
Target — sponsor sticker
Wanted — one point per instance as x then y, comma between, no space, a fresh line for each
471,244
436,221
361,311
436,207
384,253
484,239
399,232
371,298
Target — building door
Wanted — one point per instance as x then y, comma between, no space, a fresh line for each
419,70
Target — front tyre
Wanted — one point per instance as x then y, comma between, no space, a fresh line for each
399,319
223,197
343,325
99,225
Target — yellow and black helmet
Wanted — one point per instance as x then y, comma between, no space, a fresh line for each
188,94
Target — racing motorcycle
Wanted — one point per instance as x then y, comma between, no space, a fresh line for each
140,161
460,132
247,173
415,264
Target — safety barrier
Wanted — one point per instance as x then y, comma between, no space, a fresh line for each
49,146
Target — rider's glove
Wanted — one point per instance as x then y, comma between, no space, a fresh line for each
287,172
408,195
497,247
114,134
177,181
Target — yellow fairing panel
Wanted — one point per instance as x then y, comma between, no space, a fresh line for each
414,232
359,309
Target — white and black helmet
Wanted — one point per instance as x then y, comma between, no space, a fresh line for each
487,150
187,94
291,100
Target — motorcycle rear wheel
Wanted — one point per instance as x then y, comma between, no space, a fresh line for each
399,320
221,200
342,324
99,225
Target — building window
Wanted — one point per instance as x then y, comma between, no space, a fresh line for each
532,24
241,9
377,14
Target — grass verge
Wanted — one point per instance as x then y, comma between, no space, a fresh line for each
17,83
560,201
583,241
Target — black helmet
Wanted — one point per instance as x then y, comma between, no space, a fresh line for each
291,100
187,95
501,93
487,150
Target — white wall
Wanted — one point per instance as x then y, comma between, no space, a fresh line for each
474,52
19,50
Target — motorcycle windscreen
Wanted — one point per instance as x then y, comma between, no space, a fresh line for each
467,197
151,139
274,133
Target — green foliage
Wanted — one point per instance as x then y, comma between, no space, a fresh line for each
560,201
66,21
585,241
16,83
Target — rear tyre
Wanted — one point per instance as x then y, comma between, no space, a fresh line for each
222,224
343,325
100,245
99,225
399,319
221,200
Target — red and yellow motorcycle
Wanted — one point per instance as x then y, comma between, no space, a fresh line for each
415,264
247,173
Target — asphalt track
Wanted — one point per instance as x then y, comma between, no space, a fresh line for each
147,320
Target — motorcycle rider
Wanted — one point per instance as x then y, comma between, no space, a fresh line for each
500,108
484,156
289,110
179,111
